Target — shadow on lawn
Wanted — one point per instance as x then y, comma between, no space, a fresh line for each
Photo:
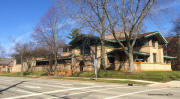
11,86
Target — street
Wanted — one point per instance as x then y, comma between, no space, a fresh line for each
35,88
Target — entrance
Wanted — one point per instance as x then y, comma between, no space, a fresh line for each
81,64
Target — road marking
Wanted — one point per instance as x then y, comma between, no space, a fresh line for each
88,92
134,93
7,80
49,92
32,86
66,84
88,83
29,92
48,85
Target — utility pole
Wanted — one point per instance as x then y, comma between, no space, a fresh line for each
95,67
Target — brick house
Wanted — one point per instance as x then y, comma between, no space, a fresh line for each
79,55
148,53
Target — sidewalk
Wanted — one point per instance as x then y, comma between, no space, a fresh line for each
144,81
172,84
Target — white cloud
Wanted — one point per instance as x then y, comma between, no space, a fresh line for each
21,39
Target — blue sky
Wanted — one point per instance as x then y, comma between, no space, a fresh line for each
18,17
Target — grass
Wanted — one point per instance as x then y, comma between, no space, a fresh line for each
26,74
159,76
39,74
107,81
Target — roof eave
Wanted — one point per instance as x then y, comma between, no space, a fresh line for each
157,32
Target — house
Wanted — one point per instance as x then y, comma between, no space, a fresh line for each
148,53
6,65
79,55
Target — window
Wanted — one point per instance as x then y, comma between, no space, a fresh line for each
85,50
67,49
153,43
18,60
111,59
70,49
60,52
154,58
42,63
64,49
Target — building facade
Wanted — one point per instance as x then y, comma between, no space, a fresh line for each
81,52
148,53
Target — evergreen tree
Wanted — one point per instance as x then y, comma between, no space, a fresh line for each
74,33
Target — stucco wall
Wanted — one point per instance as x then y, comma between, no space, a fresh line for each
17,68
152,67
141,66
5,69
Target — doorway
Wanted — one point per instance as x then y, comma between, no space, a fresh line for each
81,64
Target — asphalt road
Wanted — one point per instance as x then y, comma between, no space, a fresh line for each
28,88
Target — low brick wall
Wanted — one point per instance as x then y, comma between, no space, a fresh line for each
144,67
5,69
152,67
63,69
17,68
67,69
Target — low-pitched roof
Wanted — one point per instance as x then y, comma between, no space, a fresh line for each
84,38
5,61
96,40
134,52
169,57
144,35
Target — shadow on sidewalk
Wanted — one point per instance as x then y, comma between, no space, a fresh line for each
11,86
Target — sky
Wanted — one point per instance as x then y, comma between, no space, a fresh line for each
18,17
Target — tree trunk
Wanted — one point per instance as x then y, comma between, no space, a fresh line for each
55,64
131,61
103,53
178,52
50,64
22,69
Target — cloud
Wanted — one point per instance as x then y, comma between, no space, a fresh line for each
168,5
21,39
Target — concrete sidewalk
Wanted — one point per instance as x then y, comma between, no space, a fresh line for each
173,84
144,81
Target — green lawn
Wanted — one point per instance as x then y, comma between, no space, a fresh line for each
26,74
39,74
160,76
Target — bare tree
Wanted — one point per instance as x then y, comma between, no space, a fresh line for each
24,52
127,15
177,41
27,52
92,16
2,51
47,33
